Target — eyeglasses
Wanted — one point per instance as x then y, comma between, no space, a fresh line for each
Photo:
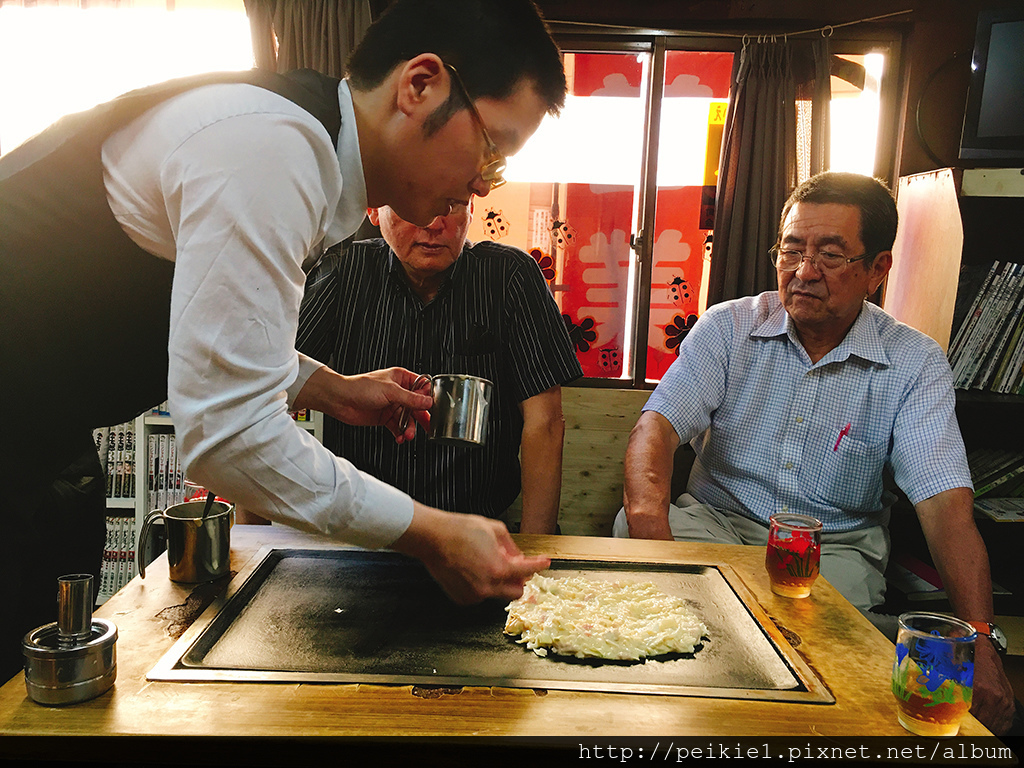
789,260
494,164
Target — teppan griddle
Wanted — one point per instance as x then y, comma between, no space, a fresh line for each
356,616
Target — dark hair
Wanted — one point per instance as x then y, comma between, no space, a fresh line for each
494,44
878,217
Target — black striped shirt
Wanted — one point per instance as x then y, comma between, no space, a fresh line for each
494,317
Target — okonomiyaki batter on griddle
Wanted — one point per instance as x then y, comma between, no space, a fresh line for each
617,620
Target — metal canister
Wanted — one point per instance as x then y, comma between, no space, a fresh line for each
74,658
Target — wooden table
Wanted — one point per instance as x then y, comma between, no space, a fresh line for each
851,656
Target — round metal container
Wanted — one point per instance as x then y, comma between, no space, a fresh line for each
56,675
459,413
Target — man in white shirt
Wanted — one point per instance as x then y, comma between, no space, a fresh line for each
220,192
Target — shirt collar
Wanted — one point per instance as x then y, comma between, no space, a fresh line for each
351,208
862,340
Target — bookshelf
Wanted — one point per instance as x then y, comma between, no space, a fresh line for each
954,223
126,510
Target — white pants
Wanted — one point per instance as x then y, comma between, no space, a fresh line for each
853,561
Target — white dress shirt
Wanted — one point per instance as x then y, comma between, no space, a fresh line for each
239,186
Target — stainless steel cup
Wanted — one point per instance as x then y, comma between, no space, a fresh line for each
198,550
459,413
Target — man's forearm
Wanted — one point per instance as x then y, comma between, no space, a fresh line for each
541,458
958,552
540,454
648,477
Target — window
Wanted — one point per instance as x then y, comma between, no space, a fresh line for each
635,150
580,189
58,60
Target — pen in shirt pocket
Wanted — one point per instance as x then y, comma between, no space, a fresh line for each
842,433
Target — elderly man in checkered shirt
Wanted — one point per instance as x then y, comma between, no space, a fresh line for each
800,401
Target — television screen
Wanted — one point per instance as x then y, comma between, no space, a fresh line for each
994,119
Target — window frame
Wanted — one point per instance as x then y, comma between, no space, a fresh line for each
573,38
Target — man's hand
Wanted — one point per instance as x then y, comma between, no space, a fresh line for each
471,557
379,398
992,700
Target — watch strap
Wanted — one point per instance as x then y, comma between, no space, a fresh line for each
982,627
993,633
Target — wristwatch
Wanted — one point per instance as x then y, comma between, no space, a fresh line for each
993,632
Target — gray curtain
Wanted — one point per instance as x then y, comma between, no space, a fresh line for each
761,165
314,34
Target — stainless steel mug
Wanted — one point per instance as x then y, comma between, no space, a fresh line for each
198,550
459,413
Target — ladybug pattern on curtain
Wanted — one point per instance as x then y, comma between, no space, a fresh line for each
495,225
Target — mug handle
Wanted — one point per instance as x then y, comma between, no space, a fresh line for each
423,378
147,524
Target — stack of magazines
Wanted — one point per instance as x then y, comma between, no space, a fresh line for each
987,351
998,477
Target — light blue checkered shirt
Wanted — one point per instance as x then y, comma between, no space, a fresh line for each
774,432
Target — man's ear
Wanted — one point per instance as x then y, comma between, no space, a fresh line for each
373,214
423,84
879,269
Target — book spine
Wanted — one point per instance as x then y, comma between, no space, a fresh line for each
161,501
119,464
122,546
130,549
129,460
179,477
172,460
102,438
152,459
111,460
107,564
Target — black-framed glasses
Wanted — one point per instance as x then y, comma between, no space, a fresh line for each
789,259
494,164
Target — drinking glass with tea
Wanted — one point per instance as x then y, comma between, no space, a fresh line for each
933,673
793,555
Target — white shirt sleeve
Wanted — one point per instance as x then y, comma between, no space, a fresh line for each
246,197
307,367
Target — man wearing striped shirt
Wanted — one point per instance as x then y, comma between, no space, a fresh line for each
424,299
799,401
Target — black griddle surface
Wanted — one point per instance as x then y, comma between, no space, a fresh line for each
359,616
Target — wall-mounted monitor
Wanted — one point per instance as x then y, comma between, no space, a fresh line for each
994,119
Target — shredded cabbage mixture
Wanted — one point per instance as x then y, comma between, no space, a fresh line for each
574,616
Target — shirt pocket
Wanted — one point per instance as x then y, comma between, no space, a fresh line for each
848,476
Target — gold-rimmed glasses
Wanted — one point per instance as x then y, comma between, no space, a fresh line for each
790,259
494,164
